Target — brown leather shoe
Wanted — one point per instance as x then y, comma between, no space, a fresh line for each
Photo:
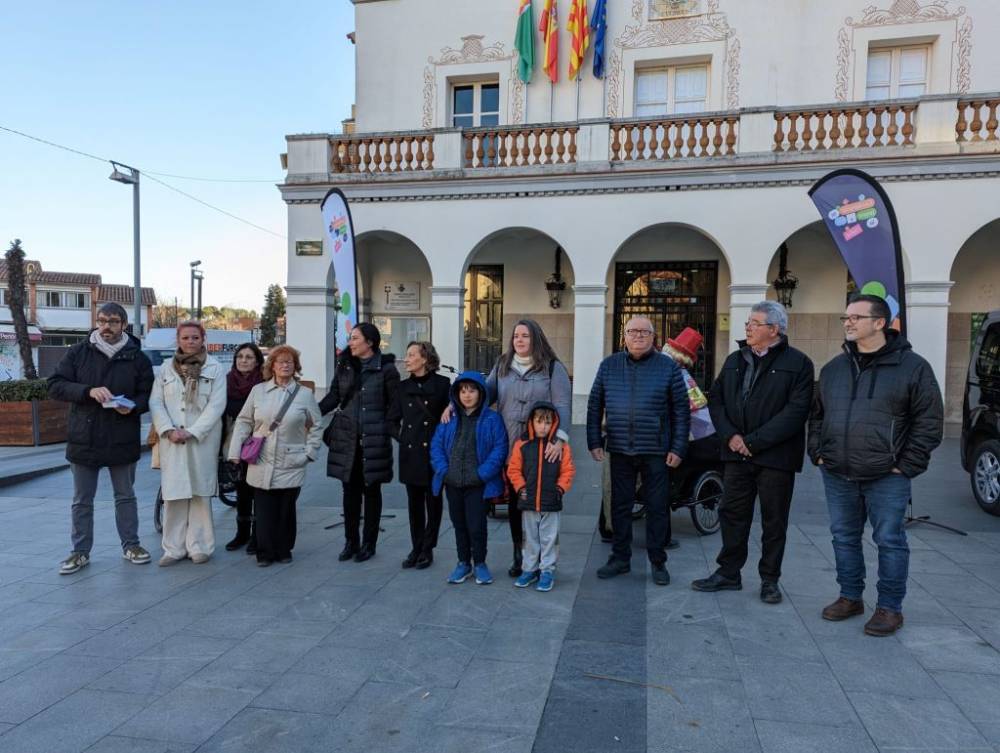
884,623
843,608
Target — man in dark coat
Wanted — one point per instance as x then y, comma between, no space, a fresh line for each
877,416
109,365
643,399
759,406
360,436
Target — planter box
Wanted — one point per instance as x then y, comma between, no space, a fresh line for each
33,422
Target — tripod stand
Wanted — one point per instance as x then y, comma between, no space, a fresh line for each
909,519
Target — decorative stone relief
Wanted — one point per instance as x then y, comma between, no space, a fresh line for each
905,12
472,50
711,26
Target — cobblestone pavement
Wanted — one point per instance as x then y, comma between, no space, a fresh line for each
318,655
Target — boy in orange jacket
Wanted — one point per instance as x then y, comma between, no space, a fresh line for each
540,486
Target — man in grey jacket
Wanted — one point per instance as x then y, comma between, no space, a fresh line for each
876,418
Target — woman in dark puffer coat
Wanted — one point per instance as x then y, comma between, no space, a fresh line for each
361,394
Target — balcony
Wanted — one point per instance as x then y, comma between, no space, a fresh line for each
932,126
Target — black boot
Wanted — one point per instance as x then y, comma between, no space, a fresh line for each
242,534
515,567
348,552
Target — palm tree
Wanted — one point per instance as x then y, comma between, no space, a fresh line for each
15,294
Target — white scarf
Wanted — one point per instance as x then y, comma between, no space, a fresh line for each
522,365
108,349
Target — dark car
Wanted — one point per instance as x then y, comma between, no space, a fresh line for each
981,416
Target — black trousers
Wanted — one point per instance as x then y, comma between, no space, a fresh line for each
244,500
355,492
275,522
468,517
653,471
744,483
514,513
425,518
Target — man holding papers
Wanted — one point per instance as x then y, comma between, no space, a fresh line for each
107,379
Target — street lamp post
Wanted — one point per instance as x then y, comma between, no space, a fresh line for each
196,276
132,178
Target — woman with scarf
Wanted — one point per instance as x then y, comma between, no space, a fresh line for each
188,400
245,374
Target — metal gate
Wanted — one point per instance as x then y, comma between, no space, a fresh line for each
673,295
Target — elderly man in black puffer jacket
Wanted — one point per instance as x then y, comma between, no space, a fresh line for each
644,400
876,418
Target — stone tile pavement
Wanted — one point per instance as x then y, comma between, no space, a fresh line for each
318,655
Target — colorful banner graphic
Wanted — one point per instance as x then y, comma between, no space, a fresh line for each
859,216
340,235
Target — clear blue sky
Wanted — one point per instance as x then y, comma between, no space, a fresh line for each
194,88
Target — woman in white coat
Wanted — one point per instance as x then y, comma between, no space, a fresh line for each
189,397
280,470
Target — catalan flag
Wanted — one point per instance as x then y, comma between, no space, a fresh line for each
599,25
524,41
578,27
550,33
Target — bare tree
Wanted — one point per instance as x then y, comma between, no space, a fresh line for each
16,294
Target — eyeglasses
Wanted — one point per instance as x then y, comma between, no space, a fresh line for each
102,322
639,332
854,318
754,325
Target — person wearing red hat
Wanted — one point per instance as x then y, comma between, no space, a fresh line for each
684,351
759,404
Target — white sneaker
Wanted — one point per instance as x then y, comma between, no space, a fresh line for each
136,555
166,561
75,561
199,559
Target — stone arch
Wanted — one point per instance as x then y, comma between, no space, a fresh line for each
976,291
664,258
394,280
522,260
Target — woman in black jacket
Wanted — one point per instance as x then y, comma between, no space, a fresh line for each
362,392
245,374
420,402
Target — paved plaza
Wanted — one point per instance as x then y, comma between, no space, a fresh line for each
318,655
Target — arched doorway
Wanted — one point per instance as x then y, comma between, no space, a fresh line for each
677,277
976,274
395,281
512,274
820,294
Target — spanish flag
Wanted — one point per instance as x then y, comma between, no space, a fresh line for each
550,34
578,27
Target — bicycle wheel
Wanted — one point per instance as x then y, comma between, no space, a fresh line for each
706,500
158,511
228,476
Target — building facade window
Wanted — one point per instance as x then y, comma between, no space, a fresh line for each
671,90
55,299
475,104
897,72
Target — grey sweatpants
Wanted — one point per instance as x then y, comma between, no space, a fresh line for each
541,541
126,512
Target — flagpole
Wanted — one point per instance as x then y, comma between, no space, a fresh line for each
578,96
551,96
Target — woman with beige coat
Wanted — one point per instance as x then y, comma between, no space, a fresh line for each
189,397
277,476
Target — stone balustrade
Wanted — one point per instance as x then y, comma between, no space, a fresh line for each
675,137
845,127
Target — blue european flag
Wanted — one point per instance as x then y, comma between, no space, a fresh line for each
599,25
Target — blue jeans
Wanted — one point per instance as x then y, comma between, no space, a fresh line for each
883,503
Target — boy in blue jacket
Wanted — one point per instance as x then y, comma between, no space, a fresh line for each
467,455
